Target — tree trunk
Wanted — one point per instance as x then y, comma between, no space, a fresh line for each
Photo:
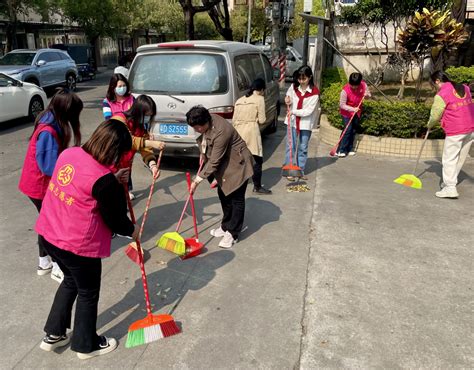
419,83
189,23
404,75
12,42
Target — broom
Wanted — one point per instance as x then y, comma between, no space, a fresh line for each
291,170
152,327
132,250
193,246
333,151
410,180
172,241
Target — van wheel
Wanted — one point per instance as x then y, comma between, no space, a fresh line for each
71,82
36,107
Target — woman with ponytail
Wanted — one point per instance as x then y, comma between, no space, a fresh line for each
53,132
452,107
249,114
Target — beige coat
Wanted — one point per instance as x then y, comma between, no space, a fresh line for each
249,113
226,157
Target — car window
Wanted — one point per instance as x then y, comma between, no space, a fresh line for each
244,72
5,81
268,69
257,66
17,59
64,56
49,57
179,73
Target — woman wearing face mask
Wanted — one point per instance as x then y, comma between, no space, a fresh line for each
118,98
138,119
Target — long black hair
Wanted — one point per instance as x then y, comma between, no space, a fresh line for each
303,71
443,77
257,85
66,106
143,105
116,77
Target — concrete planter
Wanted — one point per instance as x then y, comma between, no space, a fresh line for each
389,146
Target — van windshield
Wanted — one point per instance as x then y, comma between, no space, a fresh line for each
179,73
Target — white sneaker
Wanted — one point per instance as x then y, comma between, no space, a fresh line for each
341,155
217,233
106,345
227,241
57,275
352,153
44,270
447,192
131,195
51,342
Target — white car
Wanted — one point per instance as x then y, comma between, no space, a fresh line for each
20,99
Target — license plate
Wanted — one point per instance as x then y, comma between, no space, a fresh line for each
173,129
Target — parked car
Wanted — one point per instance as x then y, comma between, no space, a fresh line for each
43,67
20,99
180,75
83,55
294,60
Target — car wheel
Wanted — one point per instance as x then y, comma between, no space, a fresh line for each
71,82
33,81
36,107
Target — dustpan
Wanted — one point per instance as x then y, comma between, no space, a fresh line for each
193,245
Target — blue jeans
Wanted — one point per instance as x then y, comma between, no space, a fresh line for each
302,155
347,141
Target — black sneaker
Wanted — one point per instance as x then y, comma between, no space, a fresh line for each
261,190
51,342
106,345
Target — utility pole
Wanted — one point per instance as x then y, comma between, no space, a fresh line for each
249,22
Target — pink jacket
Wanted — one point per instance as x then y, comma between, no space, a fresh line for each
354,98
70,217
458,116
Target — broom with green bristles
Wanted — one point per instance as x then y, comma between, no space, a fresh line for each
173,241
152,327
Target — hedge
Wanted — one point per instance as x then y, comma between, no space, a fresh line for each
461,74
379,118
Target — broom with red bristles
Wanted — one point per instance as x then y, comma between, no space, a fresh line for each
132,250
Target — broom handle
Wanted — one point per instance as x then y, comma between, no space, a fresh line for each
187,200
289,133
140,256
188,178
148,202
336,147
421,151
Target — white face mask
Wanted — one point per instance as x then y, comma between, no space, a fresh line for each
121,91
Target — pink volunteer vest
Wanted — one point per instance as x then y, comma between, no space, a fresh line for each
458,117
119,107
70,218
33,183
353,98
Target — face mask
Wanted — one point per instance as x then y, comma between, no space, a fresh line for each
120,91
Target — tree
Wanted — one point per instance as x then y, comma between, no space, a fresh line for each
430,33
189,10
219,15
260,24
12,9
297,27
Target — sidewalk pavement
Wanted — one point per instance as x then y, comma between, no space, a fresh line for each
359,272
390,273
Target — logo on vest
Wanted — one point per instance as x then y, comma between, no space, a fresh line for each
65,175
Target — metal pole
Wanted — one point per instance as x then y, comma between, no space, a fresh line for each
306,42
249,22
357,69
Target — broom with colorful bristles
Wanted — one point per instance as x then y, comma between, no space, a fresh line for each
152,327
173,241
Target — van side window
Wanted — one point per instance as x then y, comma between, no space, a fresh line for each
244,72
268,69
257,66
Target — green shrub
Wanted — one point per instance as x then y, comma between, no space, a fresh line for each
331,76
461,74
380,118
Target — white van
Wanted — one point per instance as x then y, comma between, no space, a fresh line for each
214,74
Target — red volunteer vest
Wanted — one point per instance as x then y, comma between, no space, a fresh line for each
70,218
33,183
353,99
301,98
127,157
458,117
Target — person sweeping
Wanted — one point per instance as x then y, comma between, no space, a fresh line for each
84,204
452,106
350,104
